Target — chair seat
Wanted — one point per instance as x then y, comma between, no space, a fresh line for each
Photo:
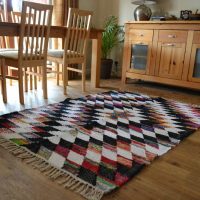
9,54
55,53
12,54
8,49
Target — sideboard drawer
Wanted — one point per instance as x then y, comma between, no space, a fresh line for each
172,36
196,39
141,35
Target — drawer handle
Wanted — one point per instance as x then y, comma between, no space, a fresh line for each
171,36
169,45
141,35
141,43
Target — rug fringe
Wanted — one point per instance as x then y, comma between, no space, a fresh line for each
155,96
62,177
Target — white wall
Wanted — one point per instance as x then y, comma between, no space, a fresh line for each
92,6
124,8
174,6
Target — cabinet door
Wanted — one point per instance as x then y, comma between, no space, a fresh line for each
171,59
194,72
140,57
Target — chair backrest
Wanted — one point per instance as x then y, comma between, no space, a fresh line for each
34,31
16,18
3,40
78,25
2,16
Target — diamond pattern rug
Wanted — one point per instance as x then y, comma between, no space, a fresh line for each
95,144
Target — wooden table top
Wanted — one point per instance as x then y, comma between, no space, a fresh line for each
13,29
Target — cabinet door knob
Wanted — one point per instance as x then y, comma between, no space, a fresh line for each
141,35
171,36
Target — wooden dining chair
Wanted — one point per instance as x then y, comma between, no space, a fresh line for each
35,32
5,44
4,41
75,45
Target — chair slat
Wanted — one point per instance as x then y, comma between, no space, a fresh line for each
38,32
75,44
26,20
32,46
42,36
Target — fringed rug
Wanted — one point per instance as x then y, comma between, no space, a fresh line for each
95,144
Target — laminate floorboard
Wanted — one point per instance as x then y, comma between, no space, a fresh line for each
174,176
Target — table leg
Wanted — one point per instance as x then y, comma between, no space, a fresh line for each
96,61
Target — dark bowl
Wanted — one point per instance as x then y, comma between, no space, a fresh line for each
195,17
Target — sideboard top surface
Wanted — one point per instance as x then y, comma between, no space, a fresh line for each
159,25
165,22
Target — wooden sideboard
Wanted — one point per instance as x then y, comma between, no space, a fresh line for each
165,52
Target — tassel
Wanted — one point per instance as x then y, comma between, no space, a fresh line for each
61,177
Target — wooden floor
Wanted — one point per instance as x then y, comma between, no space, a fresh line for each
175,176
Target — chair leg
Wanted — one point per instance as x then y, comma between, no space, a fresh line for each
83,76
65,79
31,78
35,78
21,90
26,79
57,73
40,72
3,72
10,74
44,81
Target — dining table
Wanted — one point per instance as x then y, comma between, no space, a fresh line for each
13,29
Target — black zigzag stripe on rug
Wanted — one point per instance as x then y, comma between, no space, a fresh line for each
95,144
